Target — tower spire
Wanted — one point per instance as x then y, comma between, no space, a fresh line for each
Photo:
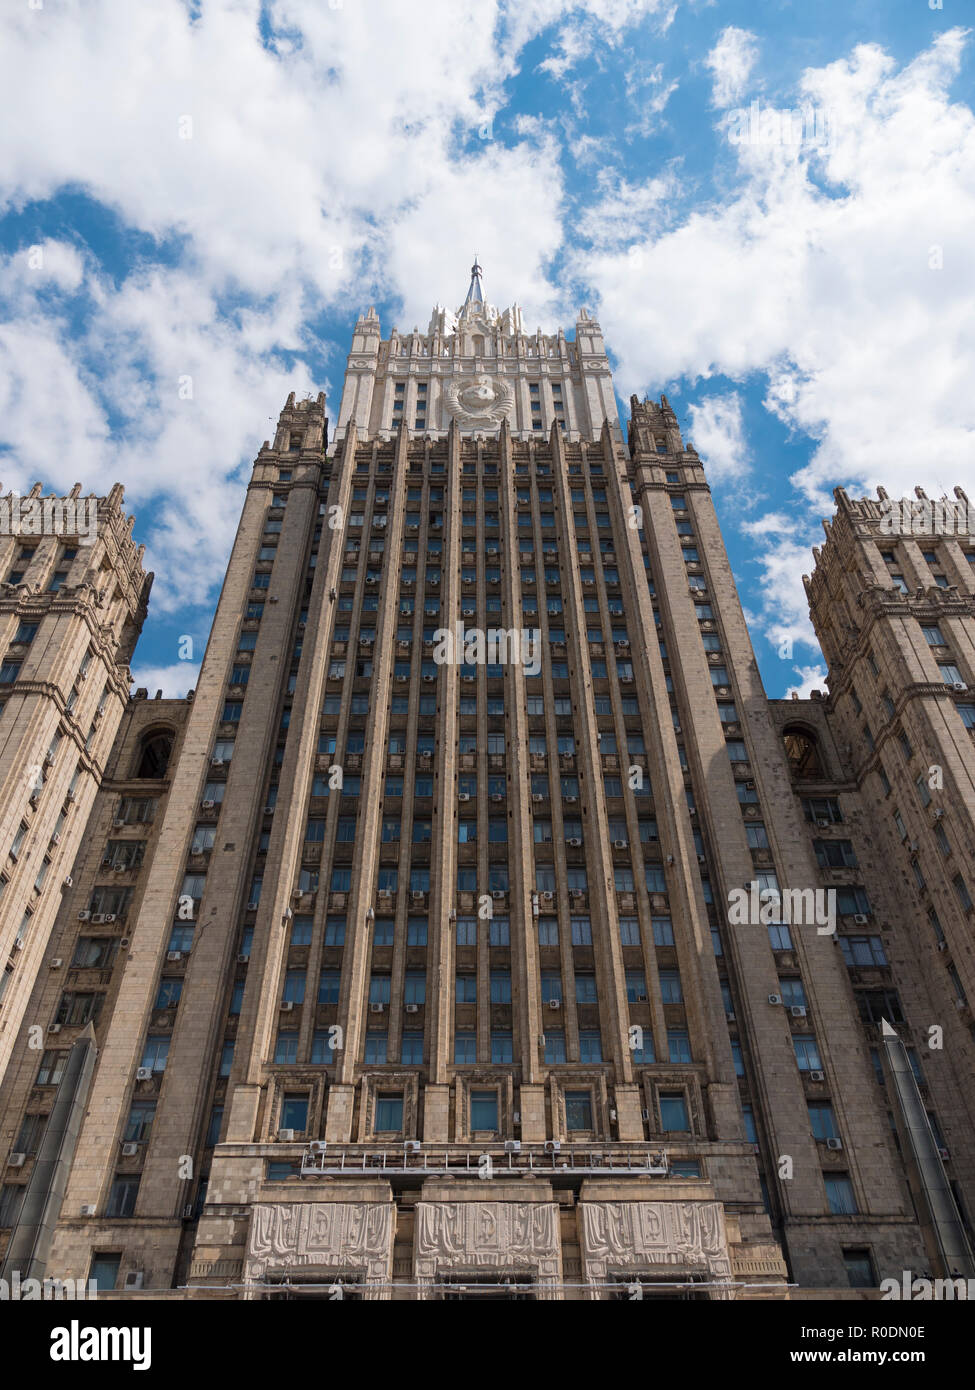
475,297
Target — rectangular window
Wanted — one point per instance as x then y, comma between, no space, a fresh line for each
389,1113
484,1110
578,1111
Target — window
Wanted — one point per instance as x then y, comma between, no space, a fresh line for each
285,1051
585,988
578,1111
484,1110
779,936
678,1045
835,854
50,1071
121,1199
168,994
862,950
839,1194
389,1113
375,1048
465,1049
103,1271
859,1266
670,987
950,673
673,1112
294,1111
822,1121
501,1047
807,1053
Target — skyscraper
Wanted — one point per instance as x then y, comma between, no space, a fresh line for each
489,932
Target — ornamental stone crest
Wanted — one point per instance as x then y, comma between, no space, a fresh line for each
487,1237
624,1237
321,1237
479,402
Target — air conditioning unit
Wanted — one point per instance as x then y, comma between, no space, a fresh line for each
98,917
411,1146
286,1136
16,1160
959,686
54,1027
496,796
287,1006
129,1150
188,1212
944,1155
619,844
143,1074
512,1146
834,1144
71,796
775,999
497,895
548,895
729,1015
537,796
701,859
88,1208
861,919
412,1008
463,796
377,1008
817,1075
174,955
555,1003
577,893
797,1010
823,824
385,893
575,842
207,805
552,1146
572,799
216,762
269,810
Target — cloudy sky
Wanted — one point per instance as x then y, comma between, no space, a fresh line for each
769,205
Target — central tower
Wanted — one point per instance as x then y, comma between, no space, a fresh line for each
477,367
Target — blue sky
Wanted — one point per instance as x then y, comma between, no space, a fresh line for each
768,206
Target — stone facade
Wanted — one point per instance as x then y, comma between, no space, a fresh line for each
432,985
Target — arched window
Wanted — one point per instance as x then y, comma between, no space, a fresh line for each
154,754
802,752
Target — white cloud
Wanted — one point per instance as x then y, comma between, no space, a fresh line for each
810,678
813,272
731,61
717,432
174,681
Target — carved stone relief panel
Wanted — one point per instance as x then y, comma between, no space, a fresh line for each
479,402
630,1237
487,1237
322,1238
